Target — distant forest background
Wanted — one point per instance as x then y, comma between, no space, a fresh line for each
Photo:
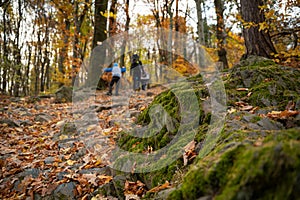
45,43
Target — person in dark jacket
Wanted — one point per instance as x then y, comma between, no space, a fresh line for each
136,71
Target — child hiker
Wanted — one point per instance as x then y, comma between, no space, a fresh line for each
116,75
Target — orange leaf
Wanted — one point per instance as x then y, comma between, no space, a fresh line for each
166,185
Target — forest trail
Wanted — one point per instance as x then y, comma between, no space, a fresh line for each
43,153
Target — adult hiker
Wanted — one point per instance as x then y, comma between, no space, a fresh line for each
136,71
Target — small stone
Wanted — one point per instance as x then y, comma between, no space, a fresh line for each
43,118
49,160
267,124
65,191
9,122
248,118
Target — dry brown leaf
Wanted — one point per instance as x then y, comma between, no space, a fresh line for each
254,109
137,188
282,114
91,178
247,108
240,103
164,186
49,189
105,179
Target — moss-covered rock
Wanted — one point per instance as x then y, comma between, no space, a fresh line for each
268,170
254,157
268,84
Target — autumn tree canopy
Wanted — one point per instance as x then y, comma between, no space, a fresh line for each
46,44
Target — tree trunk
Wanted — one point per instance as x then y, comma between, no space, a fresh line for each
5,51
17,53
64,50
99,50
258,42
170,38
78,20
200,24
112,27
27,71
219,6
100,22
123,48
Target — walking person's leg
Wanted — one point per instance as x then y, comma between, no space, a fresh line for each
111,84
118,82
135,83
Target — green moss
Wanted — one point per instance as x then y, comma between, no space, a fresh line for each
270,84
240,163
255,119
269,171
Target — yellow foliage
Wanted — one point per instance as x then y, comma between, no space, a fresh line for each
108,14
234,46
184,67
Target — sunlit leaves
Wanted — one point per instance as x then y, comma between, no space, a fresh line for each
108,14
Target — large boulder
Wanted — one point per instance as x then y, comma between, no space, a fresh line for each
255,155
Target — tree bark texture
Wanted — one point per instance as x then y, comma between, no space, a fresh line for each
220,32
258,42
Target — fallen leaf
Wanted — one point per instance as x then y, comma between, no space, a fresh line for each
142,108
240,103
288,113
249,94
189,153
164,186
71,162
282,114
190,146
275,113
49,189
105,179
254,109
258,143
98,162
136,188
247,108
242,89
232,110
63,137
92,178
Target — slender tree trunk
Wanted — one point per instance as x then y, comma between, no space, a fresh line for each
64,49
258,42
79,19
220,32
200,24
123,48
5,50
27,70
170,39
17,54
112,27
